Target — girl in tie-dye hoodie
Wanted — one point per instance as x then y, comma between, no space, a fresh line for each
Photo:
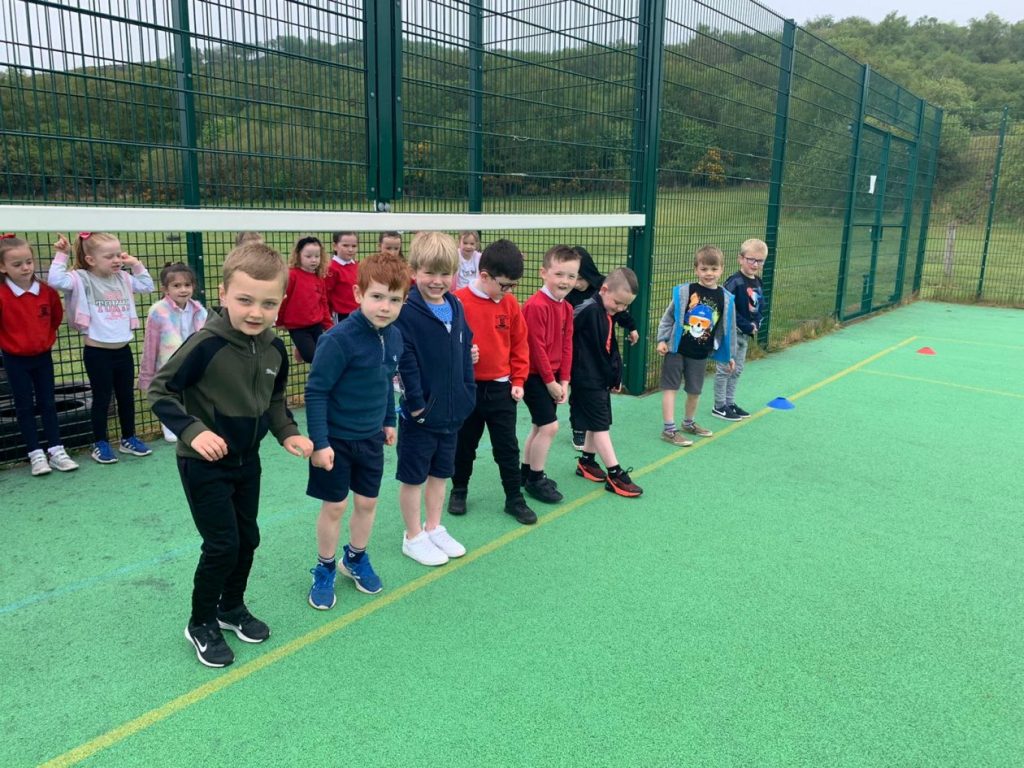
171,320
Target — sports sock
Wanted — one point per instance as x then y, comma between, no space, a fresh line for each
354,554
328,563
587,458
534,474
615,471
670,426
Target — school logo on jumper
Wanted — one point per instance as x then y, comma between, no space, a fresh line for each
501,322
700,318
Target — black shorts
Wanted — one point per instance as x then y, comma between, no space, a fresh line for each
358,466
592,409
538,400
423,453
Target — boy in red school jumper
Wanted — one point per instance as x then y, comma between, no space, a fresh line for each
499,331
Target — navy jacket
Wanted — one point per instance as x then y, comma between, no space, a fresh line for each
349,392
436,369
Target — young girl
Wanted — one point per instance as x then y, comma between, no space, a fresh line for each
304,311
341,276
469,259
30,314
171,320
390,242
101,306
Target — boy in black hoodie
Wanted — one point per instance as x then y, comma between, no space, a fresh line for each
436,369
587,284
596,371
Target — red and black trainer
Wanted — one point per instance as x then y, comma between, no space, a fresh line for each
590,470
621,484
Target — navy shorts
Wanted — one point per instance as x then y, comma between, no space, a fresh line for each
538,400
423,453
592,409
358,466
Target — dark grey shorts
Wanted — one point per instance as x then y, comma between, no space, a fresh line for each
678,369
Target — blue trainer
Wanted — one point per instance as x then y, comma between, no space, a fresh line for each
103,453
321,594
361,572
134,446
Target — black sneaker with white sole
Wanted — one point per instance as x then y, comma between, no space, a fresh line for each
211,650
248,628
737,411
724,412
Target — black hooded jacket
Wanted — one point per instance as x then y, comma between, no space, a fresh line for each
590,273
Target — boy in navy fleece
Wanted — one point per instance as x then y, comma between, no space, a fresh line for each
350,409
437,376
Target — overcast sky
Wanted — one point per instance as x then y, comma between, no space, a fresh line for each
957,11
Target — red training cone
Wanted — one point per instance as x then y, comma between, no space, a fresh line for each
926,351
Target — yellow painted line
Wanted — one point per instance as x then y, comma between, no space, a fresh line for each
237,673
954,385
970,343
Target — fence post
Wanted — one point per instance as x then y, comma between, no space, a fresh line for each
992,202
771,229
476,106
908,205
851,191
382,25
926,212
643,188
188,136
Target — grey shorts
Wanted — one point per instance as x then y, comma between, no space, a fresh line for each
678,369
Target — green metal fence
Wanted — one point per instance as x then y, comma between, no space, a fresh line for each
719,121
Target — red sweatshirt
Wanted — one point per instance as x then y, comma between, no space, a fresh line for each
500,332
305,301
340,280
29,323
549,324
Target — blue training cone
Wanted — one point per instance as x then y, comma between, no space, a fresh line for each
781,404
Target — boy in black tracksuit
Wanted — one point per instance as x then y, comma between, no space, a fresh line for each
220,393
587,284
596,370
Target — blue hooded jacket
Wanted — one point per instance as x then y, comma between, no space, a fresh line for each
435,366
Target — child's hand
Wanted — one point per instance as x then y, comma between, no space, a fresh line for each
323,458
389,435
517,393
474,354
209,445
416,414
662,348
732,366
298,445
555,390
565,392
62,245
633,336
128,260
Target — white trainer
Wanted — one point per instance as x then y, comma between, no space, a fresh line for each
444,541
60,461
169,436
37,459
421,549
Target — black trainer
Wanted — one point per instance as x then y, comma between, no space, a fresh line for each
248,628
578,439
208,641
518,509
543,489
457,501
737,411
724,412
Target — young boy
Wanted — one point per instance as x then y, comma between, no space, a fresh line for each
350,412
493,315
698,324
341,275
596,371
745,285
218,394
549,325
437,375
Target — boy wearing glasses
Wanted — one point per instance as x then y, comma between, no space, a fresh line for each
499,330
746,286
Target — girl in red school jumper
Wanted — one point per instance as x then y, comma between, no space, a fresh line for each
304,311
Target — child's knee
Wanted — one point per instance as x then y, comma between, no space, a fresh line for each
548,430
333,510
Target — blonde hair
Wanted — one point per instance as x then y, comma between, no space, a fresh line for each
296,259
258,261
248,237
86,244
434,252
709,256
753,244
622,278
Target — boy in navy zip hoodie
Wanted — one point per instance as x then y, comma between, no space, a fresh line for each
437,377
350,413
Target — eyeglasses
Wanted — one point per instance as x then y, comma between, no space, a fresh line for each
755,262
506,287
